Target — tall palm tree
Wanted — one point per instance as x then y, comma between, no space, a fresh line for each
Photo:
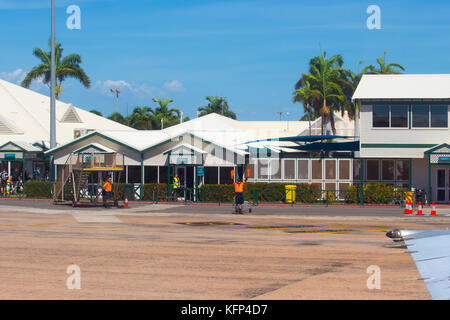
141,118
217,105
118,117
349,84
67,67
169,117
386,68
325,80
307,96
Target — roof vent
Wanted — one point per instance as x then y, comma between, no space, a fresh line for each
6,127
71,116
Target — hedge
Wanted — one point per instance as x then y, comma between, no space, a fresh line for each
266,192
376,193
38,189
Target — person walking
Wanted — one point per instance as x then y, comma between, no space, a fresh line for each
176,186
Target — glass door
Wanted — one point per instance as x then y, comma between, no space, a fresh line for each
443,185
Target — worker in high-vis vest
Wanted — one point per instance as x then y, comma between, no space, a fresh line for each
239,192
176,185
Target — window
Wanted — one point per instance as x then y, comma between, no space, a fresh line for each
399,116
302,169
330,169
380,116
263,169
439,116
344,169
390,116
387,169
402,169
373,170
356,169
289,169
275,169
426,116
420,116
316,169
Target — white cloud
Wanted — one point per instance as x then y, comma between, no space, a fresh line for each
173,86
17,77
168,87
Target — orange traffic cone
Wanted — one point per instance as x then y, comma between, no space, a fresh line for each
419,210
126,202
411,210
406,207
433,209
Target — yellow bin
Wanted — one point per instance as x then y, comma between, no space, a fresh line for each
290,193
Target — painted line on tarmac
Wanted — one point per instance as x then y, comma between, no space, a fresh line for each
332,231
293,227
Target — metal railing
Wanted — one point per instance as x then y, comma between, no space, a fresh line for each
219,194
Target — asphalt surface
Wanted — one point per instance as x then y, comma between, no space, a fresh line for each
283,210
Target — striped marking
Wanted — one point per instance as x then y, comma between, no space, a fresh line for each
333,231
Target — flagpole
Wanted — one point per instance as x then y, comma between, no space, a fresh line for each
53,95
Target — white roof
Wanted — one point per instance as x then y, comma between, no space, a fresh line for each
25,116
403,86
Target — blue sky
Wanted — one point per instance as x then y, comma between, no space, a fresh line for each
252,52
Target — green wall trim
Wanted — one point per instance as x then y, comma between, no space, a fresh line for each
401,145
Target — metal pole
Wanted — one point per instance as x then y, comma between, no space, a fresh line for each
53,94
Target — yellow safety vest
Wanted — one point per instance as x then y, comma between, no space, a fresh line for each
176,183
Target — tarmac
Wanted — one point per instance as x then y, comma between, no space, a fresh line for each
172,251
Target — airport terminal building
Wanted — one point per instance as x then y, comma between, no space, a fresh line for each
401,139
404,133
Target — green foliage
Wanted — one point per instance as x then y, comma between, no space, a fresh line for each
67,67
262,191
376,193
217,105
38,189
146,118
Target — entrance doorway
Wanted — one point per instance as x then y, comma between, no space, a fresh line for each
443,185
187,181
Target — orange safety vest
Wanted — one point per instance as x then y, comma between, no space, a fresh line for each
107,186
239,187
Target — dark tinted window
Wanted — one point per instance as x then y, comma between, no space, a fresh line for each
439,116
420,116
399,116
380,116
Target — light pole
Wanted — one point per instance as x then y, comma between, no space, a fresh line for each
116,91
52,94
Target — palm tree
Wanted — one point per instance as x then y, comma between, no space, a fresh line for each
141,118
96,112
118,117
307,96
385,68
324,82
169,117
349,84
67,67
217,105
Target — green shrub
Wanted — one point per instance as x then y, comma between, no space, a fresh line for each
260,191
155,192
38,189
375,193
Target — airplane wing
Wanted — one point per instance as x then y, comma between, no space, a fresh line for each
430,250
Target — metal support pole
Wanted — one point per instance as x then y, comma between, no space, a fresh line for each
361,181
52,93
